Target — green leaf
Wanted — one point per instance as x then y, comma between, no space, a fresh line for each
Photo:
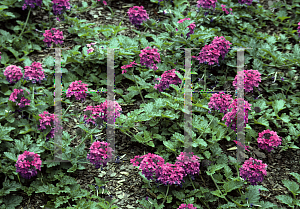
12,201
291,185
11,156
232,185
278,105
262,121
4,133
285,118
285,199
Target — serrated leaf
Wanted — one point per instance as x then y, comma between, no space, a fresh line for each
285,199
278,105
232,185
291,185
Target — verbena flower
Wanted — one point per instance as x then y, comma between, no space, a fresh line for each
225,10
78,89
31,3
167,78
249,2
191,27
16,96
251,79
90,50
208,54
222,45
220,102
59,5
104,2
170,174
254,170
100,153
53,35
48,119
267,139
34,72
127,66
148,56
137,15
207,4
27,164
189,164
231,116
13,74
184,206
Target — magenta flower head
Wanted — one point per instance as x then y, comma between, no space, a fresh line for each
78,89
104,2
208,54
127,66
184,206
27,164
267,139
167,78
249,2
137,15
100,154
16,96
231,116
251,79
170,174
220,102
191,27
222,45
189,164
207,4
48,119
254,170
13,74
35,72
53,35
149,164
148,56
59,5
31,3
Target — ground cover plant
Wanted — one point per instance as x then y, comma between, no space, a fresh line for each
151,168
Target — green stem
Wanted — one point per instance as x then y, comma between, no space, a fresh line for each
166,194
25,23
66,111
206,128
112,13
195,189
87,136
204,78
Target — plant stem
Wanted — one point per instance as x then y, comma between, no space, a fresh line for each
87,136
25,23
166,194
206,127
195,189
66,111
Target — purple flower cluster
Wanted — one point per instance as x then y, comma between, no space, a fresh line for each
59,5
225,10
27,164
104,2
153,165
210,53
57,37
191,27
78,89
147,55
47,119
103,112
31,3
251,79
167,78
267,139
16,96
13,74
137,15
100,153
207,4
249,2
34,72
254,170
231,116
124,67
184,206
220,102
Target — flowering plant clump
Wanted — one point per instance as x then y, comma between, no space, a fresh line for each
59,5
184,206
31,3
167,78
220,102
16,96
13,74
191,27
251,79
27,164
267,139
57,37
78,89
147,55
249,2
170,174
47,119
34,72
231,116
127,66
207,4
149,164
137,15
254,170
222,45
100,153
208,54
225,10
189,164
